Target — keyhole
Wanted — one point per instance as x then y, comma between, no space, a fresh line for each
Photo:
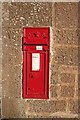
31,76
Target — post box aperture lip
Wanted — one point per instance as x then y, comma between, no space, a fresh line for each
36,48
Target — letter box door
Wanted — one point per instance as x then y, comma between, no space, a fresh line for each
35,74
36,70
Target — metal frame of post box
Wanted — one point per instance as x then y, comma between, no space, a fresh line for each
30,40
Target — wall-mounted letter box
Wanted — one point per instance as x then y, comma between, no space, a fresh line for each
36,46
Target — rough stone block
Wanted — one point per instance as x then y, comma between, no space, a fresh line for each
47,106
67,78
66,15
68,69
54,66
67,37
54,91
66,55
67,91
74,106
54,77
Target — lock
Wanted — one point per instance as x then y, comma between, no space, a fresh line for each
36,48
31,75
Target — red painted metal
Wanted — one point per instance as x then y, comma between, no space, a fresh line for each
36,82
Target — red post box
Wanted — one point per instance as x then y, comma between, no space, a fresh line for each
36,47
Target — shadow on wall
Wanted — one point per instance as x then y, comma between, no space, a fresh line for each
79,60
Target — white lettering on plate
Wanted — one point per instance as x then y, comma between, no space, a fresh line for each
38,47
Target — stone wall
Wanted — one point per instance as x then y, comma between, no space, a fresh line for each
63,87
66,34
